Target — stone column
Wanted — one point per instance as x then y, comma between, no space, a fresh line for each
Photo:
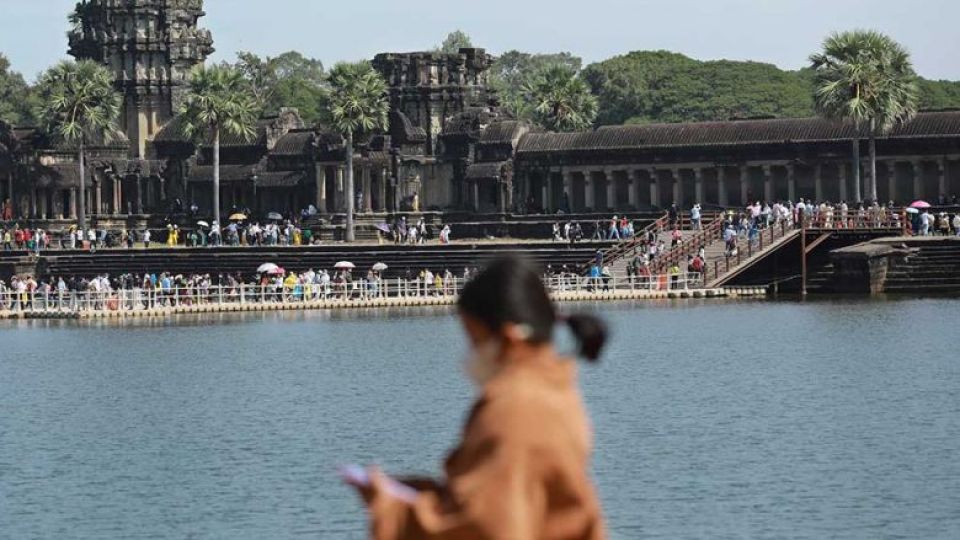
767,184
818,182
588,192
117,195
367,189
842,178
97,197
611,181
633,193
476,195
677,186
568,188
654,187
917,167
942,177
792,182
545,193
698,185
384,180
338,193
722,186
892,179
745,185
320,183
140,194
33,202
73,203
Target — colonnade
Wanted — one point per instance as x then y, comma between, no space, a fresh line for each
612,188
370,181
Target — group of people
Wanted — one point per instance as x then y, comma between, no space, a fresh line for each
402,232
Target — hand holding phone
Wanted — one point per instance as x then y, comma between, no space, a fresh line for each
360,478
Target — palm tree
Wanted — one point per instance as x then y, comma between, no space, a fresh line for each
358,103
865,78
78,104
219,101
560,99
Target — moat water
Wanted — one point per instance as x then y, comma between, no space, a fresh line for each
825,419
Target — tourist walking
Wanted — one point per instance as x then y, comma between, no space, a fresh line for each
522,468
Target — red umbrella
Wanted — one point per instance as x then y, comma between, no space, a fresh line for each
920,204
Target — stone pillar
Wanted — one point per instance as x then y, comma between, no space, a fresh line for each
476,195
792,182
338,190
117,195
140,194
942,178
917,167
367,191
545,193
745,185
97,197
320,180
611,181
384,180
568,188
892,179
698,185
818,182
73,203
767,184
677,186
588,192
654,188
722,199
633,193
33,202
842,178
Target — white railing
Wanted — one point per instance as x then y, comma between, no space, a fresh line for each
310,295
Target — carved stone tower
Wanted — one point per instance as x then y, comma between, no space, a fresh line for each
428,88
151,46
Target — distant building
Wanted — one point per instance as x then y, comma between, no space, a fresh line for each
449,146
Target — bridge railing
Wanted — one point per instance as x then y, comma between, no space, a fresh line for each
630,244
310,295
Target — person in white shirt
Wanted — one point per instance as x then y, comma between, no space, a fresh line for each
146,238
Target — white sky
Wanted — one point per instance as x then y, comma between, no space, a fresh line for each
783,32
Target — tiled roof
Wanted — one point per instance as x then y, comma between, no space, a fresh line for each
228,173
485,171
172,132
281,178
294,143
732,133
505,132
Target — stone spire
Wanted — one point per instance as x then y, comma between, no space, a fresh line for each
151,46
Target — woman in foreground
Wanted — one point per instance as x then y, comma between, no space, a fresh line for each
521,470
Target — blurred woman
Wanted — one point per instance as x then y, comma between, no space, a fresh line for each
521,469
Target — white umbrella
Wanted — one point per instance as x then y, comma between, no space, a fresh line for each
344,265
912,210
379,267
203,224
267,268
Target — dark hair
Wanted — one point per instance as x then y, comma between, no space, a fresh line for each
510,290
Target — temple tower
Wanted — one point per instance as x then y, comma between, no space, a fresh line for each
428,88
151,46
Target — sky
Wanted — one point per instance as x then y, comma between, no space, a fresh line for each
782,32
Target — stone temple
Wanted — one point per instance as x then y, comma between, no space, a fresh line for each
449,150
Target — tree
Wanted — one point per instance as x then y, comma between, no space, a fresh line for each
514,69
288,80
865,78
358,103
219,100
456,40
17,101
560,100
78,104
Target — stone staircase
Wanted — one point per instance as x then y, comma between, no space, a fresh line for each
935,267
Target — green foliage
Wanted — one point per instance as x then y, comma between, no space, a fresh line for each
939,94
358,98
866,78
660,86
17,100
560,100
77,102
288,80
514,69
456,40
218,98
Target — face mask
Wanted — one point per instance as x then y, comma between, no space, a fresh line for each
481,365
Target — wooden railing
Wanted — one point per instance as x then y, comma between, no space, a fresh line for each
622,248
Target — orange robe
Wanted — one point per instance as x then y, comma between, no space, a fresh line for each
520,473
